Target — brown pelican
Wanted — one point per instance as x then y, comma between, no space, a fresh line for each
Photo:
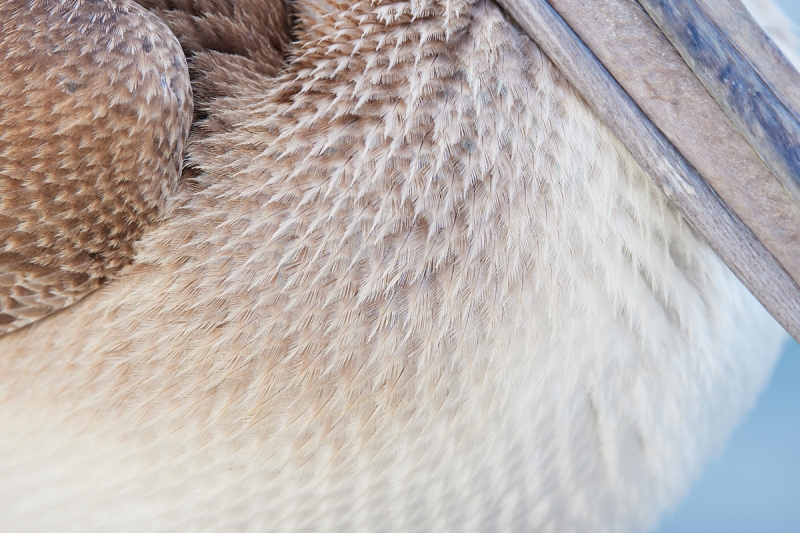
408,281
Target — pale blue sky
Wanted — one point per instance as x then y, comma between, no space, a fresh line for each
755,485
792,8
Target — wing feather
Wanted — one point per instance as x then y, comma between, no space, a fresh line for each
95,109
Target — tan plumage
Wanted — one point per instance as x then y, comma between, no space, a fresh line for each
95,107
410,284
229,47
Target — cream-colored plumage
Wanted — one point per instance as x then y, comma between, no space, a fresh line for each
414,286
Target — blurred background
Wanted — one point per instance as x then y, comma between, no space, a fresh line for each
754,486
792,8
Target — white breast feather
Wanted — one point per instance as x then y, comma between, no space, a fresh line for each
428,291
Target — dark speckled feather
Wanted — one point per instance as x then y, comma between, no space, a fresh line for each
95,108
411,283
230,46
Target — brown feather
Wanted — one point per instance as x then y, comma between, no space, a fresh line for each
95,107
417,287
230,46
